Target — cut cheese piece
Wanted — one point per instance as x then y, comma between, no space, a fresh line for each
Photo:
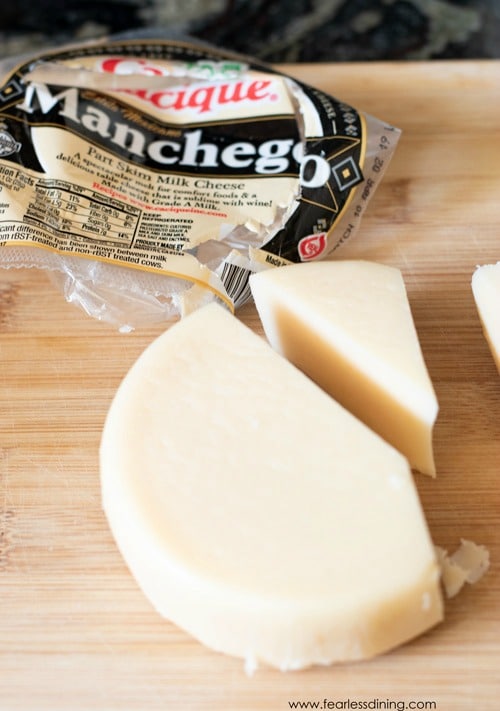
348,326
486,290
254,511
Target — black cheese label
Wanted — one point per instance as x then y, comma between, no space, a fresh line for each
178,159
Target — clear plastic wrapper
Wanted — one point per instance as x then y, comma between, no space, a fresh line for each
149,175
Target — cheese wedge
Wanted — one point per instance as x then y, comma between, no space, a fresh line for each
348,326
486,291
254,511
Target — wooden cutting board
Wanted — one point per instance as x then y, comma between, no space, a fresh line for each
75,631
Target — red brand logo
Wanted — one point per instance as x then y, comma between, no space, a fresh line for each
312,246
202,97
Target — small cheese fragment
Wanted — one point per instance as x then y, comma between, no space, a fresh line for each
254,511
348,326
453,577
486,291
467,564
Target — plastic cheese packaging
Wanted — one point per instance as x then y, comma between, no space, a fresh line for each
153,174
254,511
348,325
486,291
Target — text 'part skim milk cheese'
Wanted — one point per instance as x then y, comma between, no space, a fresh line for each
347,324
254,511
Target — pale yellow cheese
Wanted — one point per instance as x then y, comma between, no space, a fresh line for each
467,564
348,326
254,511
486,290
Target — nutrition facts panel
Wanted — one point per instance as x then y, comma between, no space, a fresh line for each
69,210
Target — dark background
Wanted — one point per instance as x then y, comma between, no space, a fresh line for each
272,30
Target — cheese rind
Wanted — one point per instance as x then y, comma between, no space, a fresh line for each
254,511
347,324
486,290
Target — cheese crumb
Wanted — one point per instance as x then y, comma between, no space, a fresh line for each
466,565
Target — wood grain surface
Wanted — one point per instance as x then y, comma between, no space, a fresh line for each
75,631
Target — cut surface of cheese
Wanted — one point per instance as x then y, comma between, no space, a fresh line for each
486,291
348,326
254,511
